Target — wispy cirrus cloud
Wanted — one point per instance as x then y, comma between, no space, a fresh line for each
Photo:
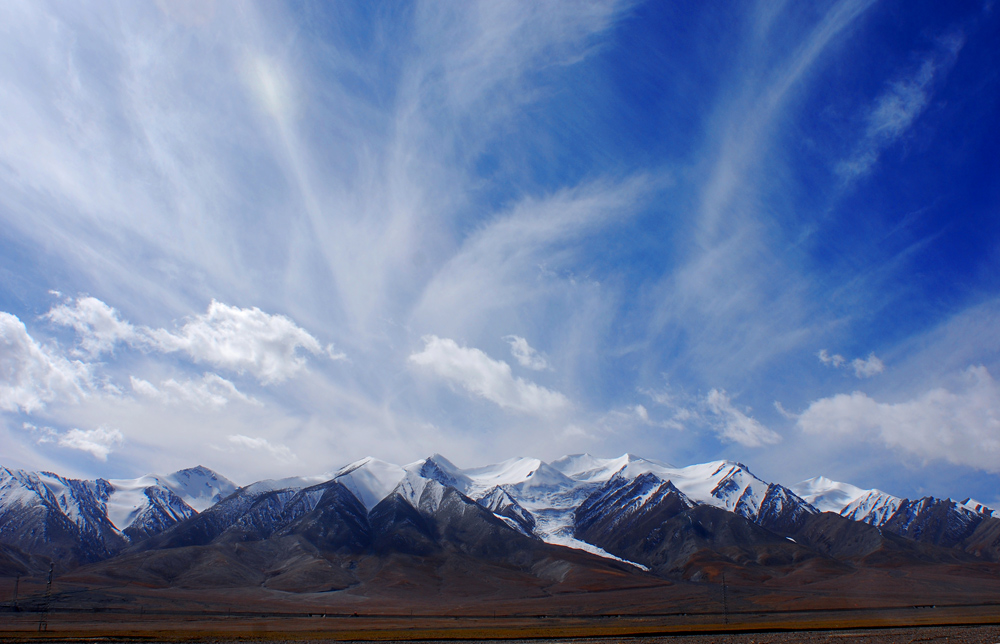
736,295
633,200
519,254
262,444
713,412
211,390
895,110
734,425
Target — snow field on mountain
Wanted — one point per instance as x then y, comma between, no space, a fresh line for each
536,498
370,479
826,495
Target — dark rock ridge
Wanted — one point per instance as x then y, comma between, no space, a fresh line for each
649,521
501,503
68,525
164,509
930,520
290,542
322,537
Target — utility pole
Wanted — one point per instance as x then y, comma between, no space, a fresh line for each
725,599
43,621
17,583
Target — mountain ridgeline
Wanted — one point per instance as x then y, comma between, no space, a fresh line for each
624,516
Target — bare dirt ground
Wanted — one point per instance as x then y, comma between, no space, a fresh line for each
973,624
934,634
938,604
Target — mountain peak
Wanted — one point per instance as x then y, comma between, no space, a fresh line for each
199,486
442,461
827,495
370,479
977,507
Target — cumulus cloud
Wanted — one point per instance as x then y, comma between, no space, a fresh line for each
960,425
525,354
43,434
863,367
491,379
97,325
835,360
262,444
32,375
243,340
211,391
868,367
98,442
266,345
733,425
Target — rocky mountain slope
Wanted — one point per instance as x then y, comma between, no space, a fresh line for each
528,517
941,522
79,521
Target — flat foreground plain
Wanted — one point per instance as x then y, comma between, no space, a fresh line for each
946,624
928,603
988,634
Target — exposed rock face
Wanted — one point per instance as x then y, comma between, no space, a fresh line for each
941,522
62,519
516,516
651,522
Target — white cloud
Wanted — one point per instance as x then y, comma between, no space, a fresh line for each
960,425
98,325
32,375
522,256
835,360
682,408
481,375
478,54
262,444
784,412
242,340
44,434
633,417
211,391
868,367
715,412
863,367
525,354
895,110
98,442
733,425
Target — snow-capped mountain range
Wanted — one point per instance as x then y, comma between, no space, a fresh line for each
940,521
578,501
92,519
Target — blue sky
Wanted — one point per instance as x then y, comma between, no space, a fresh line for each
275,238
